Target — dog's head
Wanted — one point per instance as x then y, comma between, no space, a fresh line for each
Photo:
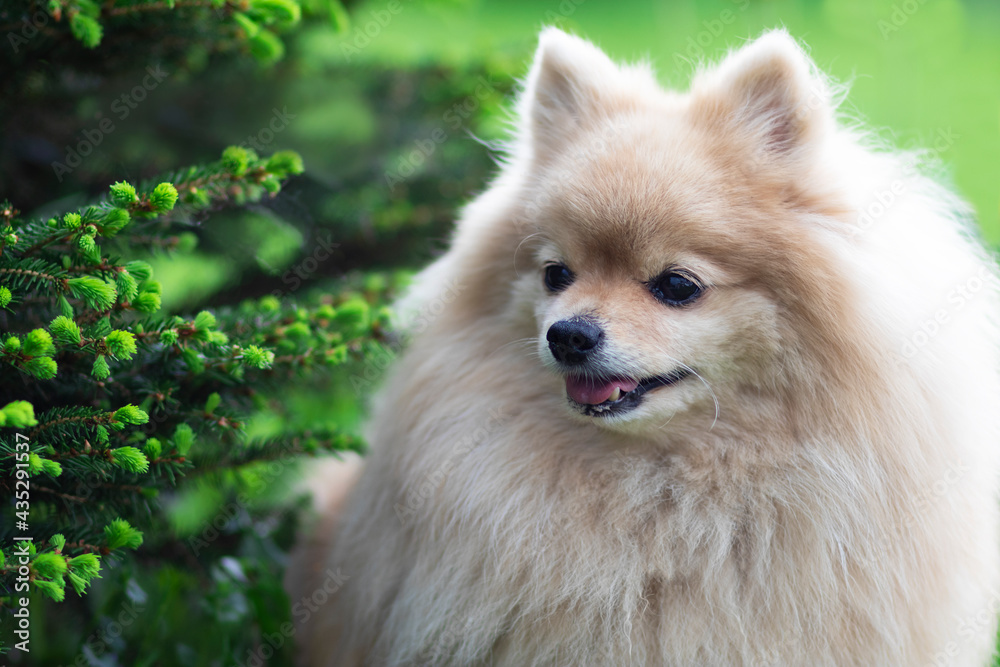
666,239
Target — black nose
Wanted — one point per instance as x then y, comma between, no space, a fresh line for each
570,341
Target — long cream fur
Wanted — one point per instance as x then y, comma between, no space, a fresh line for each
822,492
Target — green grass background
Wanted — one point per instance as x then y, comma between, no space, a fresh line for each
918,69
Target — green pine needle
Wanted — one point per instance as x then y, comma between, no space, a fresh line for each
129,414
130,459
123,194
121,535
121,344
65,330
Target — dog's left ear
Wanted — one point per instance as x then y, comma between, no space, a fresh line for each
768,89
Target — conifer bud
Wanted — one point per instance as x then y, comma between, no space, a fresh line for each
126,285
49,565
12,345
120,534
86,565
266,47
285,163
42,368
18,414
130,459
121,344
152,449
277,11
204,320
212,402
129,414
94,291
55,590
257,357
250,28
163,197
147,302
123,194
183,439
87,245
139,270
115,220
65,330
100,369
353,314
236,160
38,343
86,29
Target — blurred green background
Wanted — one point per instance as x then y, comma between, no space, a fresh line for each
926,73
394,116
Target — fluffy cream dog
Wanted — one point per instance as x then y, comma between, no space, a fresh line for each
704,379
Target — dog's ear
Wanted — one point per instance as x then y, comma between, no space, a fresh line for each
769,89
571,83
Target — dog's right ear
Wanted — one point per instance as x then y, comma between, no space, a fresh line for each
571,83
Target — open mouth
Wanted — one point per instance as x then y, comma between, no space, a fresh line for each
611,396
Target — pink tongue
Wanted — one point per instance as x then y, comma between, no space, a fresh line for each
591,392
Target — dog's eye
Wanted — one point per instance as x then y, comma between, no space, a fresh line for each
675,289
557,277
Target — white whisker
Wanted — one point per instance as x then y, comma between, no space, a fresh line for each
529,236
695,373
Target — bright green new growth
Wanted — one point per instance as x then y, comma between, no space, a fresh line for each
100,369
65,331
163,197
93,291
37,343
120,535
236,159
130,459
129,414
258,358
121,344
144,403
123,195
18,414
